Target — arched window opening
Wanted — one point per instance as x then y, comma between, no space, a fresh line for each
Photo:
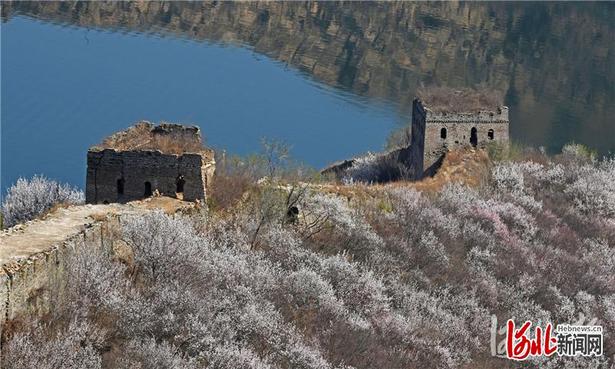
473,137
443,133
148,190
179,184
490,134
120,186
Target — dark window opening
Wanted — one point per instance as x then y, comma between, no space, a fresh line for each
120,186
148,189
179,184
473,137
443,133
490,134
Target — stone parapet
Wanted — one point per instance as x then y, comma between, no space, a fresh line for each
33,255
498,115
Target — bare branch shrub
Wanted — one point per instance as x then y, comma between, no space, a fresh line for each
399,138
276,154
233,178
236,175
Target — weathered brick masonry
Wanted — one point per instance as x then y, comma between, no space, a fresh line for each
438,132
443,126
120,173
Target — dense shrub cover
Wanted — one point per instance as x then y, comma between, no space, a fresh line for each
27,199
385,279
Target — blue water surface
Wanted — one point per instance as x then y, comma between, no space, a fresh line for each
65,88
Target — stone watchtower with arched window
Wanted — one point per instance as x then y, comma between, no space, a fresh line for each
136,163
444,119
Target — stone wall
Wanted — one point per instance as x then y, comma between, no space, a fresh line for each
388,166
33,286
427,146
33,255
107,167
417,141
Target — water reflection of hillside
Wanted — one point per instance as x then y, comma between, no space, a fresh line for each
556,62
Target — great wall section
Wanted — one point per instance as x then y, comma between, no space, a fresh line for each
33,255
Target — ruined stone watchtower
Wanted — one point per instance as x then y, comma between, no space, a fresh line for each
444,119
144,159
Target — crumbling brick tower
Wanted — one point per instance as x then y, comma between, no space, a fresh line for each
144,159
444,120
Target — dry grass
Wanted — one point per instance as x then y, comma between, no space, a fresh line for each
174,145
228,189
54,209
168,205
467,166
142,137
99,217
444,99
134,137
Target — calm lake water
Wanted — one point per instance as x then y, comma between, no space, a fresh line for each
332,80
